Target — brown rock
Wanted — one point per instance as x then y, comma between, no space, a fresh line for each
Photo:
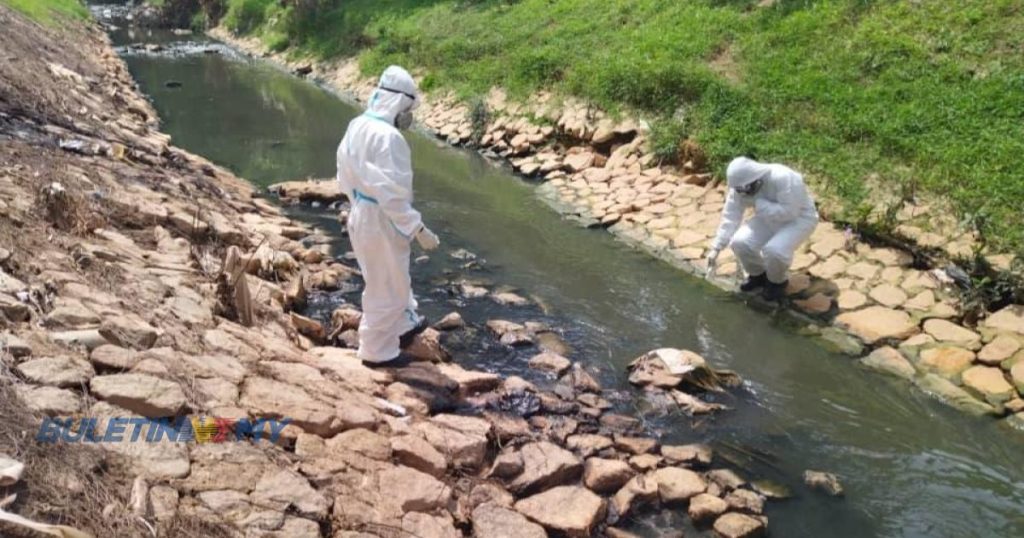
640,490
645,462
951,333
128,331
470,381
550,362
113,357
677,485
57,371
143,394
462,439
1009,319
989,383
587,444
998,350
430,526
581,380
488,492
946,361
427,347
493,521
413,451
282,489
507,464
412,490
545,465
888,295
507,427
450,322
696,454
876,323
726,479
635,445
851,300
571,510
50,401
1017,375
606,476
888,360
744,500
819,303
271,398
705,507
362,441
734,525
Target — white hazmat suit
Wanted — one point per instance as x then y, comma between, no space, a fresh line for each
784,217
375,172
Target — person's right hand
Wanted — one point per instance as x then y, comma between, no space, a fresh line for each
427,239
712,263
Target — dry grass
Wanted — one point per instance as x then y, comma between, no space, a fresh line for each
66,484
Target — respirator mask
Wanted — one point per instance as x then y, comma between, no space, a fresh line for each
403,120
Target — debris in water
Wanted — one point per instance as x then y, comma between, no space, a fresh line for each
824,482
172,84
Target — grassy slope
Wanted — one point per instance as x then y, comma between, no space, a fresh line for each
45,11
924,95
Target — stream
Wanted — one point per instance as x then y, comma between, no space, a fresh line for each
910,465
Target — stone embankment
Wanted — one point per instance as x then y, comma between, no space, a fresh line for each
860,299
142,282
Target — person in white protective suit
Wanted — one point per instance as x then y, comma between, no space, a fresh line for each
784,217
375,172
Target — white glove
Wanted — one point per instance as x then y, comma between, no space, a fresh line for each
712,263
427,239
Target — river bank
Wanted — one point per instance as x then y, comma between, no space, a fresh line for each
142,281
861,299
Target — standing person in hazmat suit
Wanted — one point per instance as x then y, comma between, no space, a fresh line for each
375,172
784,217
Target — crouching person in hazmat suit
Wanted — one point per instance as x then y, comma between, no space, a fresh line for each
375,172
784,217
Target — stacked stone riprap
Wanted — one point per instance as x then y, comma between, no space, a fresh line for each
601,170
128,320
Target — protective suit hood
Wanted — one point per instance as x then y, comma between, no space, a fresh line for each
743,171
396,92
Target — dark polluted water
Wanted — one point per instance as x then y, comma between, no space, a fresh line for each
911,467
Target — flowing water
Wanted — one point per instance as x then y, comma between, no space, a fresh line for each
911,466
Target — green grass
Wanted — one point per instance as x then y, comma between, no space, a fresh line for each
923,96
47,11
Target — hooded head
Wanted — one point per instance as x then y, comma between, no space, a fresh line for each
396,93
742,172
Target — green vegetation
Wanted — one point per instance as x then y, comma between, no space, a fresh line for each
913,97
46,11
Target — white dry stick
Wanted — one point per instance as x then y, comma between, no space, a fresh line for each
60,531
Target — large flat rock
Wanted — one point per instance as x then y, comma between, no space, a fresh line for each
493,521
877,323
545,465
571,510
144,394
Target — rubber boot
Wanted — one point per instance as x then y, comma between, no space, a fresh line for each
406,339
775,292
754,282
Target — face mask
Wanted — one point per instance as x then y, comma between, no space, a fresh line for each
751,188
404,120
